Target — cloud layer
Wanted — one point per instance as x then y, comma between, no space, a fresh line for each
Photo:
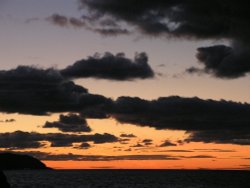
24,140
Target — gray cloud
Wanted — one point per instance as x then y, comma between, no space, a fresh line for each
69,123
111,31
109,27
112,67
64,21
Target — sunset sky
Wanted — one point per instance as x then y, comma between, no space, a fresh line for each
97,84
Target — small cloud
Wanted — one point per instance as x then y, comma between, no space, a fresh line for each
64,21
167,143
7,120
128,135
69,123
147,142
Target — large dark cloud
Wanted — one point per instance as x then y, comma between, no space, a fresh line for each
31,90
69,123
181,113
112,67
205,120
189,19
23,140
176,17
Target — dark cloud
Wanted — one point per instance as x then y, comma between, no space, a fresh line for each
37,91
31,90
176,151
215,150
167,143
22,140
223,61
193,19
7,120
69,123
138,145
147,142
240,136
95,112
124,141
199,157
84,145
112,67
175,17
64,21
205,120
181,113
127,135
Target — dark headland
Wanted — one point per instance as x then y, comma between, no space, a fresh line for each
11,161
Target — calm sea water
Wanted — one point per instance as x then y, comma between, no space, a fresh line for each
128,179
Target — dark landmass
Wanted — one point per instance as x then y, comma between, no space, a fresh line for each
10,161
3,180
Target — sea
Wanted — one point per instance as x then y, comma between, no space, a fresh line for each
129,178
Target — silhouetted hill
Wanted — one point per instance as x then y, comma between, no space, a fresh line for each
3,181
10,161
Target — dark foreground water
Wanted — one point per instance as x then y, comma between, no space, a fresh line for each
128,179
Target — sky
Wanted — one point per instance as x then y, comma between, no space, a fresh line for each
95,84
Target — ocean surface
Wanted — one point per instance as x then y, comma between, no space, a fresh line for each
128,179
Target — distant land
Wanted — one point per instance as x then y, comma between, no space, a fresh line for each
11,161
